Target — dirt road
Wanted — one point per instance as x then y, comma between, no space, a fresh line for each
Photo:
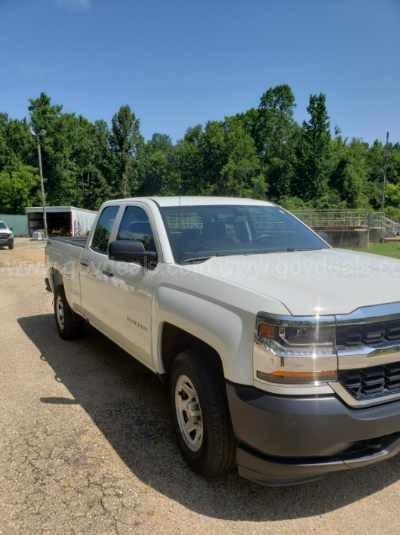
86,445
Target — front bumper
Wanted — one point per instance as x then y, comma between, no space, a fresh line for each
6,241
289,440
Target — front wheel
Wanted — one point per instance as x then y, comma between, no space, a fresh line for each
11,245
69,324
201,416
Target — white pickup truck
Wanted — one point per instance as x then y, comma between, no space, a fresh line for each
282,355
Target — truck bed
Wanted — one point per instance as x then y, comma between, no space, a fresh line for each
79,242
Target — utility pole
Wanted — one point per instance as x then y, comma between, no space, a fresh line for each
39,150
385,168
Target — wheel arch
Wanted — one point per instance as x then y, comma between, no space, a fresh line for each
184,319
175,340
56,278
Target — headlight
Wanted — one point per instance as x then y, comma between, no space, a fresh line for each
295,350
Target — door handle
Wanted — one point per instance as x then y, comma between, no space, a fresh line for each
107,273
84,264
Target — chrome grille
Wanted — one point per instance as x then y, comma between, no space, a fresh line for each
372,335
370,383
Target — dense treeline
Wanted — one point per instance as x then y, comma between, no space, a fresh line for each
261,153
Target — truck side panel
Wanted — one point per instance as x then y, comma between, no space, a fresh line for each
64,258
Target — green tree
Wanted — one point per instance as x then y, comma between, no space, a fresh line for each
393,201
76,154
375,165
220,160
189,162
125,143
276,139
294,203
19,188
157,167
259,152
241,174
350,173
275,134
314,151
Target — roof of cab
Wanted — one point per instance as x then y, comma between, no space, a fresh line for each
196,201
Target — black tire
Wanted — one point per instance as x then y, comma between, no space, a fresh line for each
11,245
72,325
216,454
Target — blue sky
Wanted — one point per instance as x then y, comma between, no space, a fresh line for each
179,63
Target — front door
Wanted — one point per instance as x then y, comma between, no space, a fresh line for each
134,287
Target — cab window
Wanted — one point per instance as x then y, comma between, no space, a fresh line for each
135,225
103,229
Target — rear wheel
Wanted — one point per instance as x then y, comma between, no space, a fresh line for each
201,416
69,324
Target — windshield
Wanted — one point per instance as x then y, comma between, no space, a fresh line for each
2,225
198,232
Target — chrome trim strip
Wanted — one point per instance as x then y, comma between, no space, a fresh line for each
370,314
359,316
367,357
293,390
295,321
361,404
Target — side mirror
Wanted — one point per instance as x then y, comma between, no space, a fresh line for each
131,251
11,229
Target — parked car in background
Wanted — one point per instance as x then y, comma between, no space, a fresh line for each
282,355
6,235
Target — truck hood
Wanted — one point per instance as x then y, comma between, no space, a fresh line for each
329,281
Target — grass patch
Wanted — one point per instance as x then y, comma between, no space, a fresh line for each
386,249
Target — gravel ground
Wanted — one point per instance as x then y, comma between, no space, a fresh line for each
86,445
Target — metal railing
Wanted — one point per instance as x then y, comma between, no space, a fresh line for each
342,219
392,228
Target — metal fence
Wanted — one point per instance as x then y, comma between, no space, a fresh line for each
349,220
392,228
342,219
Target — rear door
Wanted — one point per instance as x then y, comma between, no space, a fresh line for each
96,272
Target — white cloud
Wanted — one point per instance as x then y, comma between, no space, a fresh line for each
74,4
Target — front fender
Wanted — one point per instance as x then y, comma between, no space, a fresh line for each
228,330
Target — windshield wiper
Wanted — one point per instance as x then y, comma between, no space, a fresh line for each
197,259
293,250
247,253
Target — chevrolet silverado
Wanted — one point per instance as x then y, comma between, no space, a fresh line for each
281,354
